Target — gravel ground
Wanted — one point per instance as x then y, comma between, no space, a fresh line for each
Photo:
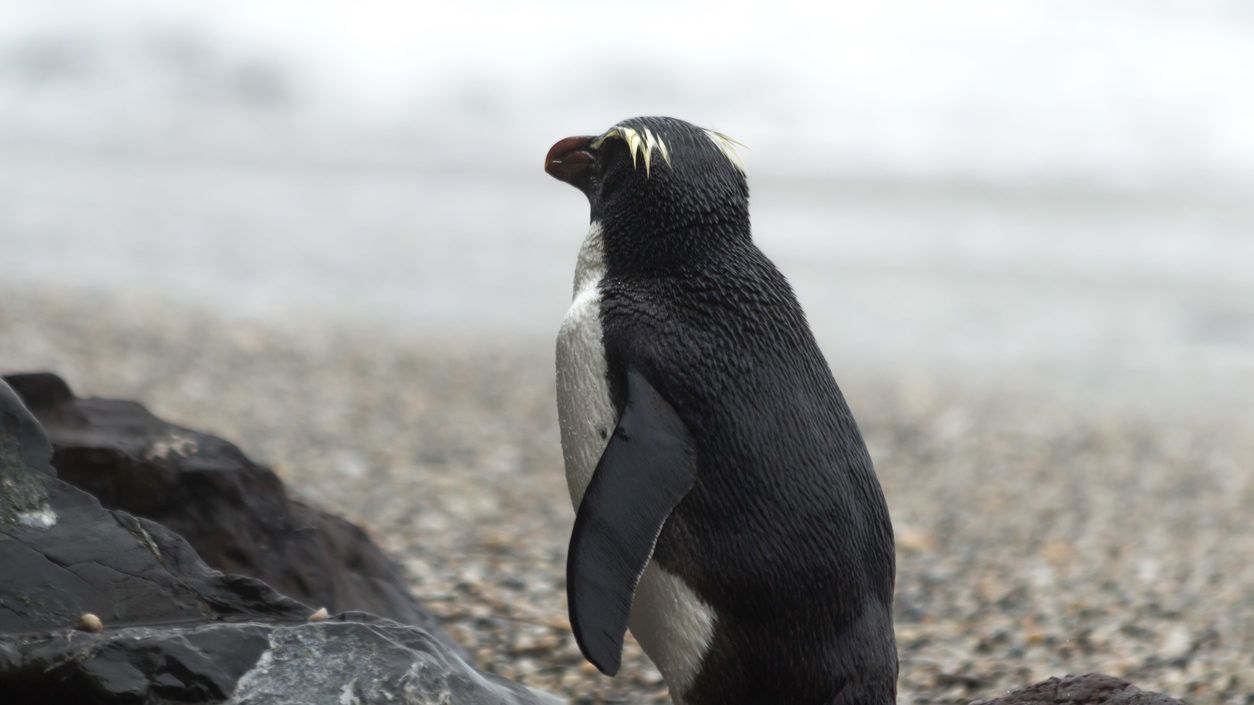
1034,538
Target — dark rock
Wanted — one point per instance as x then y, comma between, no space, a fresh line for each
353,658
1088,689
235,513
27,444
63,555
174,630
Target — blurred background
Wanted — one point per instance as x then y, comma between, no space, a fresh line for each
1046,193
1023,232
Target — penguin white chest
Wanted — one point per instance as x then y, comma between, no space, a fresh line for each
585,412
667,617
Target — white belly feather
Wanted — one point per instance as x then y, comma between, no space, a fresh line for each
585,412
671,623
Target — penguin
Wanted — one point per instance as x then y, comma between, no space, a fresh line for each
727,509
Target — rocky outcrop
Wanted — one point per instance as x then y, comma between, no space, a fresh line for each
354,658
1088,689
100,607
236,514
64,555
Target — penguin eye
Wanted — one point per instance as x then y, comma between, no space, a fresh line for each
612,178
613,165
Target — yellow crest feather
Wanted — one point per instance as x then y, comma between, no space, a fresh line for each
640,146
727,146
642,143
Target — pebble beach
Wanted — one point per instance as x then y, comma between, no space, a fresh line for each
1035,537
1022,237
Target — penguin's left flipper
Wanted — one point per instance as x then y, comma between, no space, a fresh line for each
648,466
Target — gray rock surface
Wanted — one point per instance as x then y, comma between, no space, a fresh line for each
236,514
1088,689
175,630
354,658
63,555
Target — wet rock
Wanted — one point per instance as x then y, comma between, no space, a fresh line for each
1088,689
352,658
25,443
235,513
64,555
167,628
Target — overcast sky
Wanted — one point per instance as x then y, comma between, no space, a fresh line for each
1127,92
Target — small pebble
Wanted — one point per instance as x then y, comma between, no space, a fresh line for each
89,622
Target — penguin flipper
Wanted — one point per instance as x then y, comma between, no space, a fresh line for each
648,466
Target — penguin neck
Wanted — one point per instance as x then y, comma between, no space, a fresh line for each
646,248
590,266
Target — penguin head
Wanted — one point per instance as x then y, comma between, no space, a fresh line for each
655,176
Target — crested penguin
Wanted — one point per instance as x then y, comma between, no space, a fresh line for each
727,510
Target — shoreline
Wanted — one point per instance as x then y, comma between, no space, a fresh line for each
1130,393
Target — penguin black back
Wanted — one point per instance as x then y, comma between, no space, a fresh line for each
781,529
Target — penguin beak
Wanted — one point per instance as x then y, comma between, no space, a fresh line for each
570,160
